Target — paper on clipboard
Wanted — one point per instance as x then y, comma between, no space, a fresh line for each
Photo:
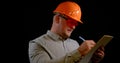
102,42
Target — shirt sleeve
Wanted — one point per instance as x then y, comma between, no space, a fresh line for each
73,57
37,54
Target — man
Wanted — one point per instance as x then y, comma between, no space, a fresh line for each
55,46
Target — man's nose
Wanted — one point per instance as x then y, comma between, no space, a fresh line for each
72,26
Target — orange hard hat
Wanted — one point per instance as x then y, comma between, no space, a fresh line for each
70,9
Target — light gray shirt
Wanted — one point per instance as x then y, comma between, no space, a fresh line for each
51,48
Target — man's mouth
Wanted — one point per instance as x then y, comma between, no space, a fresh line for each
69,30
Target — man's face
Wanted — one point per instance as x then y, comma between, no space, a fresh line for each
67,26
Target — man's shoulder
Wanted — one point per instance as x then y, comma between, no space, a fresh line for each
40,37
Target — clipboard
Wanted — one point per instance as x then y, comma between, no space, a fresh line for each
101,42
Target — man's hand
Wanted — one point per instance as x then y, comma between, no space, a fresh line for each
86,46
98,55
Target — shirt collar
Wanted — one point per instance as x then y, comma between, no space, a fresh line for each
54,36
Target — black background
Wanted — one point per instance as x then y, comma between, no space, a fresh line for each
99,17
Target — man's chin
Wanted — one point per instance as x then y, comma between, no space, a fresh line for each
68,35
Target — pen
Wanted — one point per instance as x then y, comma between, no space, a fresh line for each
82,38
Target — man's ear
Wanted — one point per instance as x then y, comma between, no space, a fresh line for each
56,18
